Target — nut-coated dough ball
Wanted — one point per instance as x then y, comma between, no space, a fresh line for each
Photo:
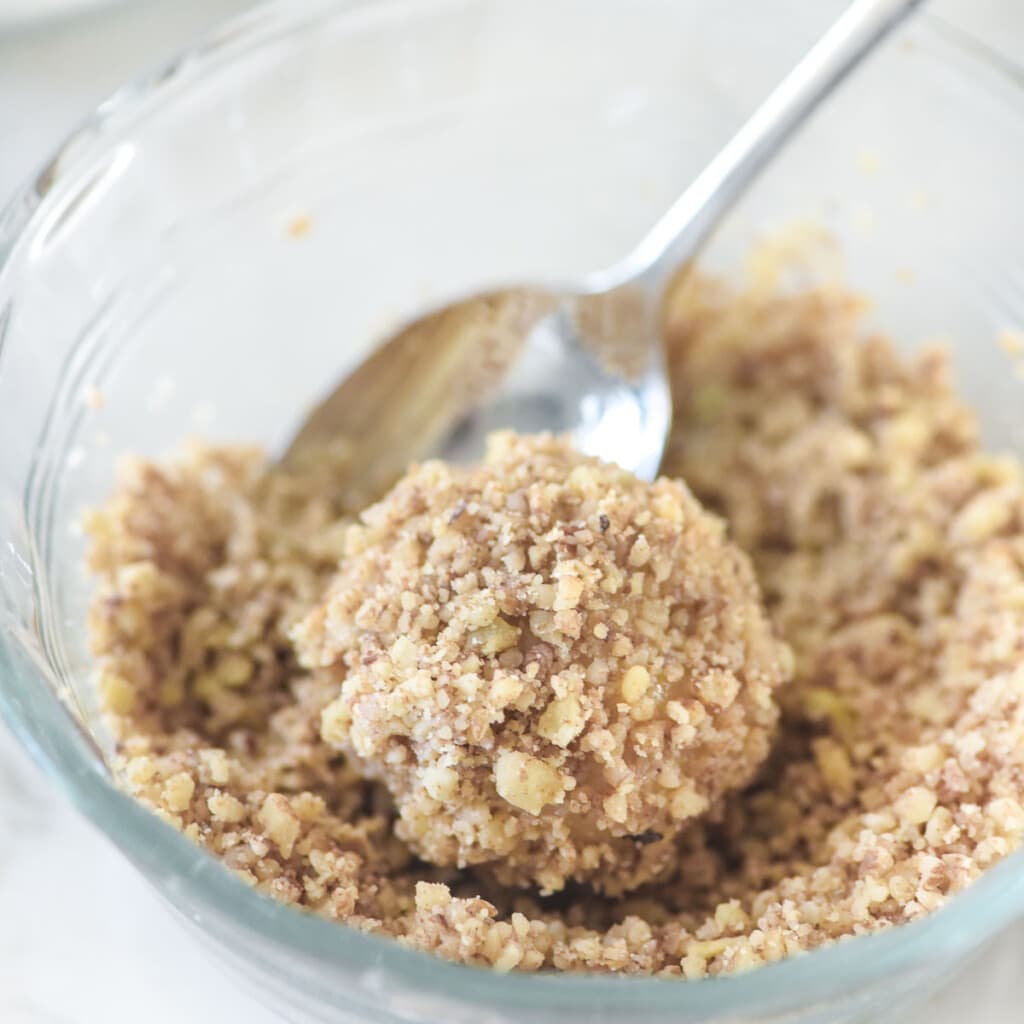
552,665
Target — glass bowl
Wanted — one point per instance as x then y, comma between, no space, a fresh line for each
223,238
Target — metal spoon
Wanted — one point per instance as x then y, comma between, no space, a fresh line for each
584,358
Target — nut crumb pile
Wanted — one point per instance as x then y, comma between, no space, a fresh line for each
553,666
890,556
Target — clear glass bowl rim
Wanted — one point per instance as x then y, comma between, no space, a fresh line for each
43,725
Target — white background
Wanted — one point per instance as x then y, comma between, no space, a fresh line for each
82,939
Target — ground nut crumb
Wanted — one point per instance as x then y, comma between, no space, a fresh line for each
890,553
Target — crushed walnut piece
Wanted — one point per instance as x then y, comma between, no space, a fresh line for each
535,691
890,554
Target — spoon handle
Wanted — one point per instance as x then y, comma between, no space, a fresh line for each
675,238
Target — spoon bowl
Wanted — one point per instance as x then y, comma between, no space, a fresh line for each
590,366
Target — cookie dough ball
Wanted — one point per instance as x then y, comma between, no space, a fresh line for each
553,666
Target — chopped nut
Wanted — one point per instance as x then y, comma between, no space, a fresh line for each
835,767
497,637
440,782
281,823
178,790
562,721
984,515
635,683
686,803
233,669
432,896
225,807
569,592
527,782
117,693
916,805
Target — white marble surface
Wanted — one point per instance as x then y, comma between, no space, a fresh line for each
70,906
